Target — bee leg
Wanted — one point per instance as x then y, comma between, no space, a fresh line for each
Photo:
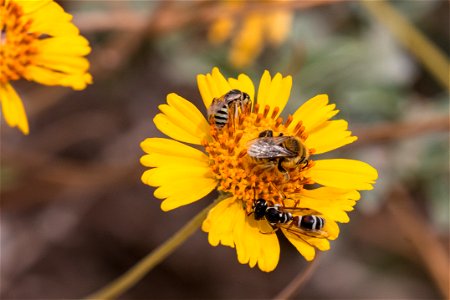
266,133
271,232
283,170
304,161
306,164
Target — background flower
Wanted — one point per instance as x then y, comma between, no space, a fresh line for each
38,43
251,30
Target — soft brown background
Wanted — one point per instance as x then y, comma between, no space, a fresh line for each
75,215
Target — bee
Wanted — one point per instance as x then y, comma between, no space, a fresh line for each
286,152
227,107
280,217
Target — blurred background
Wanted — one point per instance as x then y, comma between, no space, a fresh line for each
75,215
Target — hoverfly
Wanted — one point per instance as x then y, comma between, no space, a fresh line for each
281,217
228,107
287,152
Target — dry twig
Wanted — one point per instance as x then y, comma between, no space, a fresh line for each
391,131
424,239
294,286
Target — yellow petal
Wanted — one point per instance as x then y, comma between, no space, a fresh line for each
343,174
274,92
166,151
62,63
304,248
30,6
256,243
244,84
219,223
314,113
166,174
331,135
12,108
183,192
263,90
180,184
332,203
51,19
228,224
219,80
64,45
320,243
284,93
332,229
49,77
205,91
212,85
181,120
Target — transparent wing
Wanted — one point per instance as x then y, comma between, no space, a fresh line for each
319,234
269,147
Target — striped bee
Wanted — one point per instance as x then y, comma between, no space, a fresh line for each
286,152
228,107
281,217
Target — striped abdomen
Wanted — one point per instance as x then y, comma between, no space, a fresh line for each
309,222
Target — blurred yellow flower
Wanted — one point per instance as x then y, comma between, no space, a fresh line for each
38,42
250,33
183,174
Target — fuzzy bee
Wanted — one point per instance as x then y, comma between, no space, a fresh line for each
228,107
279,216
286,152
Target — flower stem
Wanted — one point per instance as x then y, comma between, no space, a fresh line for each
418,44
293,287
133,275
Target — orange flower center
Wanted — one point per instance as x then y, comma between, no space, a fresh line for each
247,178
17,45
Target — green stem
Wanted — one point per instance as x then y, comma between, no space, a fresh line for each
133,275
418,44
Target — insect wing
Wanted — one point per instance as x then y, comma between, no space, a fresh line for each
268,147
301,233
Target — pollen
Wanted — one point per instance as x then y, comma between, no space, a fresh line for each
242,176
17,45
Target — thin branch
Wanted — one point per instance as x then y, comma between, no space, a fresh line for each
433,58
391,131
136,273
295,285
424,239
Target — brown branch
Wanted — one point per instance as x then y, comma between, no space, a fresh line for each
422,236
294,286
385,132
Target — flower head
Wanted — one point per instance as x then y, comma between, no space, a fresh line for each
38,42
256,29
183,174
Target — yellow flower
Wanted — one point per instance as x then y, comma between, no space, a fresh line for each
38,42
183,174
257,28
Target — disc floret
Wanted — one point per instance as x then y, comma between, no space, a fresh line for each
18,45
241,176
